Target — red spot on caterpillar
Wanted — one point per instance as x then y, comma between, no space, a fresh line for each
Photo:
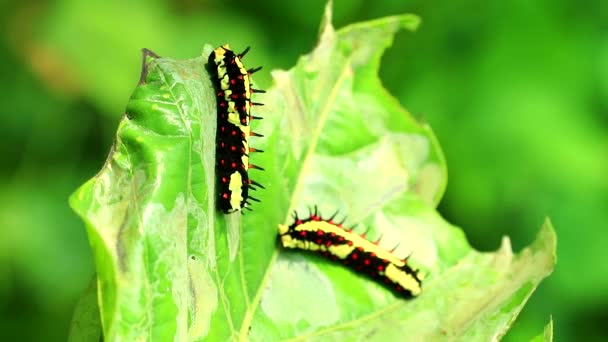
366,262
303,233
319,232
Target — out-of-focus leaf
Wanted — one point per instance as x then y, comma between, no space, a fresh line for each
86,325
171,267
546,335
52,276
95,44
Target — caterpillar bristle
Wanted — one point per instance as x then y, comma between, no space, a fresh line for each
377,242
254,70
253,117
404,260
333,216
242,54
252,166
254,134
260,91
254,199
251,149
252,182
256,103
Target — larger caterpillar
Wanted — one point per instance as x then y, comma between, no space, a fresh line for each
330,239
233,92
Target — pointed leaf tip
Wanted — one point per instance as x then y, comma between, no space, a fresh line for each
409,22
147,55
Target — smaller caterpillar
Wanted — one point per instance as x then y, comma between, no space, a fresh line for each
332,240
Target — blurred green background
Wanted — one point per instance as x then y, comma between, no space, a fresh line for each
516,91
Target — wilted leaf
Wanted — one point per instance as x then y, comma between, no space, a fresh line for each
171,267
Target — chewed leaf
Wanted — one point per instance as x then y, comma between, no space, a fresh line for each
171,267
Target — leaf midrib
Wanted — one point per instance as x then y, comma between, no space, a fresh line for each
315,137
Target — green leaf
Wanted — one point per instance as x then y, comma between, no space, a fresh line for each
171,267
547,334
85,321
